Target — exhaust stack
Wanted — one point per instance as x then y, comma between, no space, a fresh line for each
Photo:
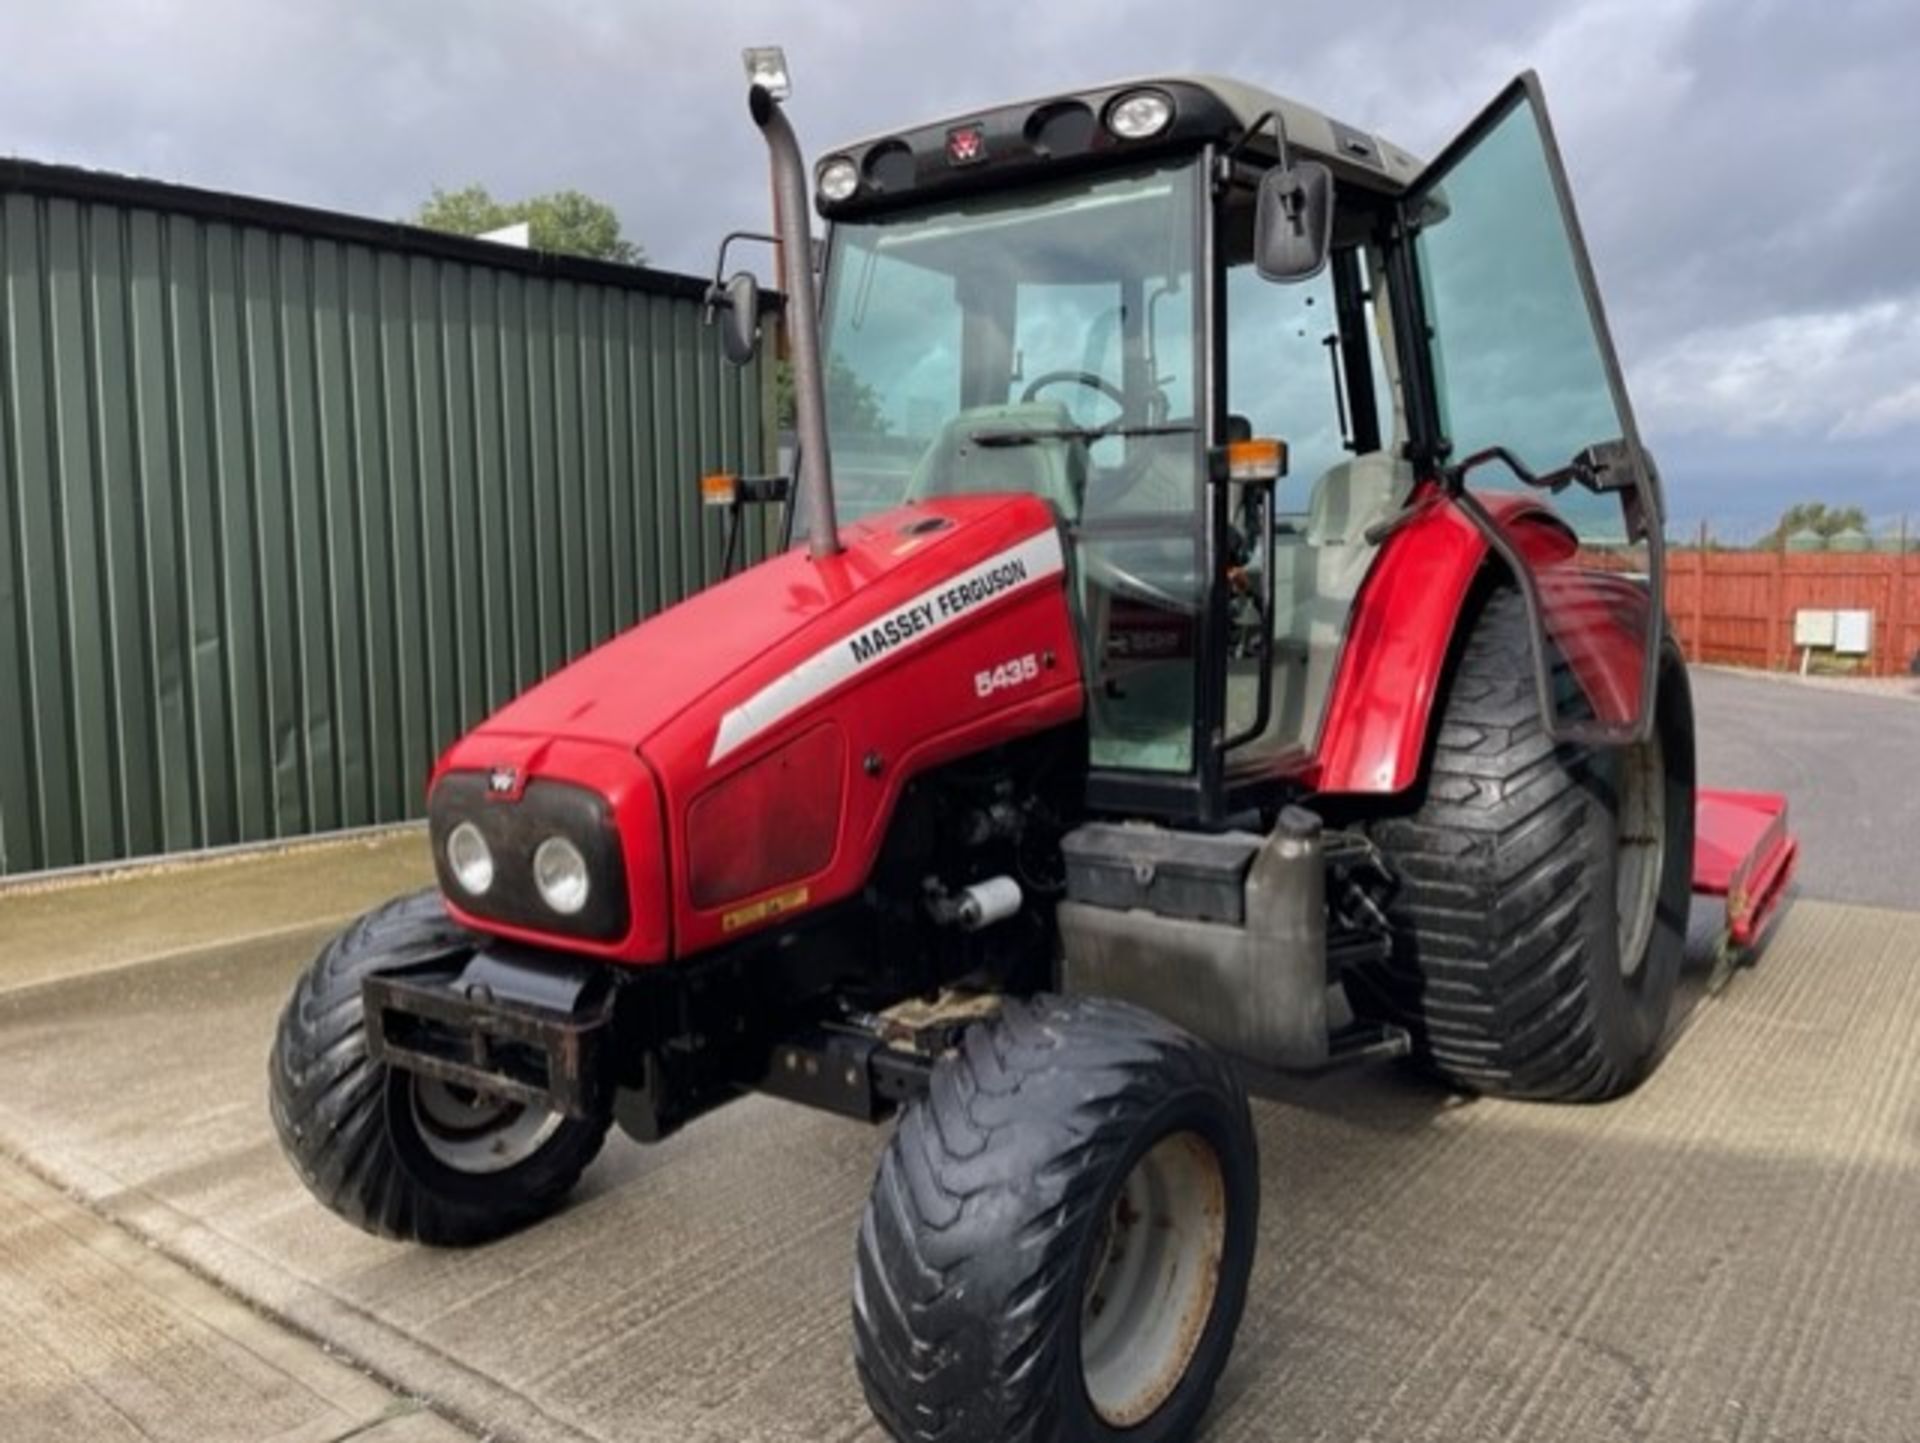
767,76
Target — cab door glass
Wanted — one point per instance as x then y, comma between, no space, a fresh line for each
1045,341
1528,387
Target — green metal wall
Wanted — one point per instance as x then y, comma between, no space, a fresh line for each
289,500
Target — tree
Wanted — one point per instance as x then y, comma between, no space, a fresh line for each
851,402
1817,517
567,221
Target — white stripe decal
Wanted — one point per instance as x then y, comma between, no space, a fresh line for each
884,637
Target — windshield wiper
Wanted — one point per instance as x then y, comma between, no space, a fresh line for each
1076,433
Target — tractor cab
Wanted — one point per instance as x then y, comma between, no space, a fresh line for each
1177,311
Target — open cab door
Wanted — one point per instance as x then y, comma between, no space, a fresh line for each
1535,441
1537,436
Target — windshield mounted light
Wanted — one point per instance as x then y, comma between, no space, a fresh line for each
560,872
767,70
1139,114
838,179
470,859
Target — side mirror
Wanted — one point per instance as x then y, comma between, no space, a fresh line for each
740,326
1293,225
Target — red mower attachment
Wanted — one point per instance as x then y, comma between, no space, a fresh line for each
1743,851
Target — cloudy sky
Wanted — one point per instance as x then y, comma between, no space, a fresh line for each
1749,170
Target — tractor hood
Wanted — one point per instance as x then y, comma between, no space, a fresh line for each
626,690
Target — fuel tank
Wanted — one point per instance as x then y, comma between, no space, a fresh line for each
750,742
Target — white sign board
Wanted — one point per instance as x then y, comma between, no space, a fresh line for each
1813,628
1853,633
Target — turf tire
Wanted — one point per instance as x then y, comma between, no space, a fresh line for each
986,1220
345,1122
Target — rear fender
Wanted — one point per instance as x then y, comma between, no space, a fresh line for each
1406,622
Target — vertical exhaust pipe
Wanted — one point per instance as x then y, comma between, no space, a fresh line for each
803,308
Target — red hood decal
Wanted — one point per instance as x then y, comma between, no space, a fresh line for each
625,690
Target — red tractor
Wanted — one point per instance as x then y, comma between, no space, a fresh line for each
1096,742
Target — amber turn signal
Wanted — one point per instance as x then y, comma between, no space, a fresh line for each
1261,459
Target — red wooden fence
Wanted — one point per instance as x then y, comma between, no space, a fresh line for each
1737,606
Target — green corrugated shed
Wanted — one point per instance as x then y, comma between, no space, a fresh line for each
289,499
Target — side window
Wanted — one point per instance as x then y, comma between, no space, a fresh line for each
1282,363
1280,371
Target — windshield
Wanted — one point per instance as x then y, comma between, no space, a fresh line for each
1045,341
1036,340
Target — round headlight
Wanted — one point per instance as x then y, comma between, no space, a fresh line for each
560,872
838,179
1138,114
470,859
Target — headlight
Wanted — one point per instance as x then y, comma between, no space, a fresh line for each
838,179
470,858
1139,114
560,872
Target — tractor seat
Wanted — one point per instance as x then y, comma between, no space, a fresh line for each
1321,568
1053,469
1353,497
1317,574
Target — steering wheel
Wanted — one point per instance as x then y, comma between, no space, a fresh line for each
1081,378
1173,590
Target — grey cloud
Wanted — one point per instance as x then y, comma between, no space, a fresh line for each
1740,163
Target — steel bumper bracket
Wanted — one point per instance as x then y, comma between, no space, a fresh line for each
528,1028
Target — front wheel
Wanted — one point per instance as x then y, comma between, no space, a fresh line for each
393,1152
1058,1241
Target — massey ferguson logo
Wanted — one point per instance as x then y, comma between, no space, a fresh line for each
502,781
966,144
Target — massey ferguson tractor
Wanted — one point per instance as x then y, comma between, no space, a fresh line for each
1227,636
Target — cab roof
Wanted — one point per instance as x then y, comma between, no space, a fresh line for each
1328,139
1019,138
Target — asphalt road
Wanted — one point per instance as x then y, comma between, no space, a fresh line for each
1848,763
1729,1254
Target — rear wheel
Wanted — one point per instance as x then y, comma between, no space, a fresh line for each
1058,1240
1541,916
393,1152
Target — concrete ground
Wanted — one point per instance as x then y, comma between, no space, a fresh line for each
1728,1254
109,1340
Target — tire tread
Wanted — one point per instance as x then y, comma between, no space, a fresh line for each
1489,973
962,1274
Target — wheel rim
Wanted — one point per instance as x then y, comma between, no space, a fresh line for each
1154,1277
472,1132
1641,855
